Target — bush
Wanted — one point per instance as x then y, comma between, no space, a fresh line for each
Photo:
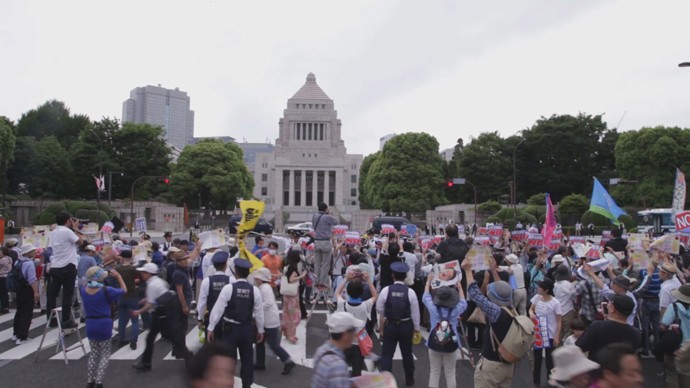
573,204
92,215
494,220
80,209
537,199
594,218
538,212
55,208
490,206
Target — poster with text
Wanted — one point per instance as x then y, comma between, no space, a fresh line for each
446,274
480,257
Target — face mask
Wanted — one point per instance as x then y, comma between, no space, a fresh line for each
272,252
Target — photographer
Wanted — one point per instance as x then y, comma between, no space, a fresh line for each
63,266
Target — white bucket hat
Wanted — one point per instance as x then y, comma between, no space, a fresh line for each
569,361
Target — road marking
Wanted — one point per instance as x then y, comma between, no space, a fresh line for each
126,353
35,323
192,341
21,351
397,355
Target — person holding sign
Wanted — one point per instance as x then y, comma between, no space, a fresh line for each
546,311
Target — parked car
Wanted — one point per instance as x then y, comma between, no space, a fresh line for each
262,226
397,222
300,229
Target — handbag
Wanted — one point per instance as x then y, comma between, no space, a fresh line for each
287,288
477,317
365,343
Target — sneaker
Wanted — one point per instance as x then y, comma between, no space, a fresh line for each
133,345
14,337
287,368
140,365
22,342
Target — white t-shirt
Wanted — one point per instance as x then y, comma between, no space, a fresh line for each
64,243
549,310
271,313
564,291
363,311
411,261
206,264
665,297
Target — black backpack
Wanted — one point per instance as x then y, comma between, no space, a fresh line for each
15,278
442,340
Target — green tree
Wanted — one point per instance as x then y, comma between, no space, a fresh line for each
52,118
561,153
407,175
7,142
487,162
365,200
21,174
94,151
51,169
538,199
650,157
489,206
572,207
215,171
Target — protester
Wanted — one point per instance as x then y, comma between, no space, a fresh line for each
330,367
323,234
157,257
519,291
292,314
97,300
262,278
563,291
614,329
240,305
571,369
181,285
619,286
213,366
545,306
669,282
587,292
676,319
27,294
353,303
210,290
399,310
389,255
577,327
128,303
273,262
5,268
445,308
64,241
491,371
452,247
620,367
647,291
86,261
258,247
167,244
162,302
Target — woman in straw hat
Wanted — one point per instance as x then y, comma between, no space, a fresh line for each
97,300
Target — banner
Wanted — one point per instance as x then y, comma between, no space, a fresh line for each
541,333
339,230
495,230
387,229
603,204
352,237
140,224
684,238
550,222
519,235
480,257
576,239
679,190
251,211
682,221
482,240
535,240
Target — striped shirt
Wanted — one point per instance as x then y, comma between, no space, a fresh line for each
330,368
650,286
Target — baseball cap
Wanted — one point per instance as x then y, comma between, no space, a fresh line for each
341,322
263,274
91,248
149,267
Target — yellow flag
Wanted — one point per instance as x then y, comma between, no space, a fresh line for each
251,211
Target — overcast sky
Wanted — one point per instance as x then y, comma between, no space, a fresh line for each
450,68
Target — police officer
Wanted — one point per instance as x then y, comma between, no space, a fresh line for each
234,307
399,309
211,288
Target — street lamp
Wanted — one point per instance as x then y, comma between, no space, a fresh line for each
515,179
110,183
462,181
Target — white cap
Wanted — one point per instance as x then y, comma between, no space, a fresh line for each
91,248
569,362
150,268
341,322
512,258
26,248
557,259
263,274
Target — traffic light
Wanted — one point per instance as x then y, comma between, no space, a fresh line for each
450,184
163,179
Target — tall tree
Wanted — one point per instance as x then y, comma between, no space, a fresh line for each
52,118
486,162
7,142
93,151
560,154
51,169
407,176
365,200
21,174
213,172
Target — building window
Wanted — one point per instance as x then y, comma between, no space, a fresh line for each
297,125
264,177
353,192
264,191
321,137
286,198
309,106
353,179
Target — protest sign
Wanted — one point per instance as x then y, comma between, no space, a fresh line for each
352,237
425,242
668,243
495,230
518,235
535,239
684,238
38,235
576,239
461,229
541,332
108,227
639,259
387,229
581,249
410,229
211,239
140,253
482,240
480,257
637,241
251,211
446,274
483,231
91,228
140,224
555,244
339,230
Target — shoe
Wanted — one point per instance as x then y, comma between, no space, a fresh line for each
82,320
22,342
133,345
141,366
259,367
14,337
287,368
409,381
69,325
185,354
91,385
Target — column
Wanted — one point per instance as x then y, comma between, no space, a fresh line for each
277,195
326,188
303,188
292,188
338,188
315,188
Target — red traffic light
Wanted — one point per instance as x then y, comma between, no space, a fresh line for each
163,179
166,181
450,184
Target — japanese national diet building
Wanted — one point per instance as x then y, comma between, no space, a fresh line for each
309,163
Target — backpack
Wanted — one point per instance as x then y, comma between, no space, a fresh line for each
15,278
669,340
519,339
443,339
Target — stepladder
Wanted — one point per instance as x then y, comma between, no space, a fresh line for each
321,293
62,333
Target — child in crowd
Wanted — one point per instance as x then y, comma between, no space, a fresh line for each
577,326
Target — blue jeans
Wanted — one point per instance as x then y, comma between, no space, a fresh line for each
649,314
125,305
272,338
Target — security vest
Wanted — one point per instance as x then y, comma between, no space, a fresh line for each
397,307
215,285
240,308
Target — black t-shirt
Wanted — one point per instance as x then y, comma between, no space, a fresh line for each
617,244
180,277
452,248
386,275
602,333
500,328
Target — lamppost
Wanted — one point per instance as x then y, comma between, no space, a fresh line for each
110,183
462,181
515,178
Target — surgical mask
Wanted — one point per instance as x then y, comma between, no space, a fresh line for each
272,252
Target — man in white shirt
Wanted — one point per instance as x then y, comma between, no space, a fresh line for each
563,291
667,273
236,305
519,292
63,266
262,278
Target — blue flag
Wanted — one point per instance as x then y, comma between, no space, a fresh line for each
603,204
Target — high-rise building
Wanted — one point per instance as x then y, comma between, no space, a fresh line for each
384,139
309,163
168,108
